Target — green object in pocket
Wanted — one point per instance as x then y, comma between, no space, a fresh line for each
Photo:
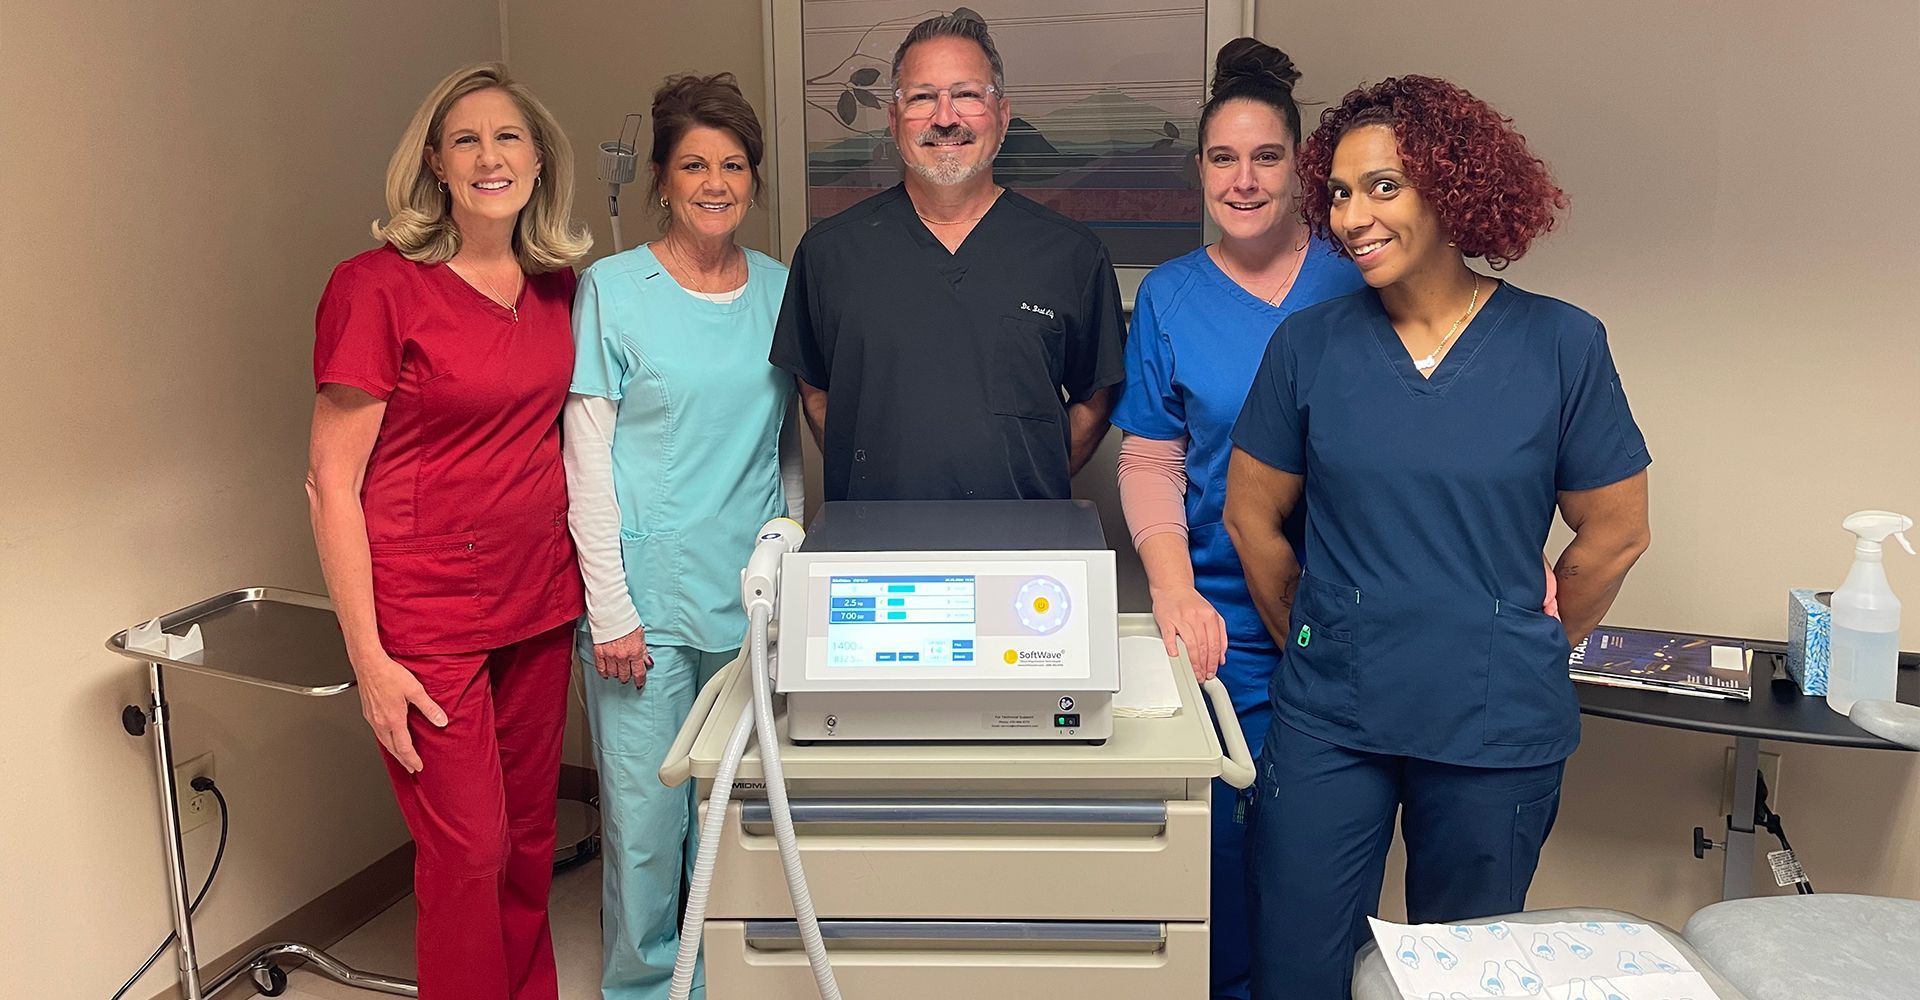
1306,636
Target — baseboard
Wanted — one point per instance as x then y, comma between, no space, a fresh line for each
340,911
331,916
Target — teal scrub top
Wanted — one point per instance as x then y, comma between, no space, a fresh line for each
696,445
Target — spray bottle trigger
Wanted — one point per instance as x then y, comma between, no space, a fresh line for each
1901,536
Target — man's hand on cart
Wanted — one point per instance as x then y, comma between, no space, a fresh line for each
387,690
624,659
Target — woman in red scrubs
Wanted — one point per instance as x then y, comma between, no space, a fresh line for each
440,512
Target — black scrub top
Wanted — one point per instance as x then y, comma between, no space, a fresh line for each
949,374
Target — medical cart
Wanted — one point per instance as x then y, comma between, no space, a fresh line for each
971,870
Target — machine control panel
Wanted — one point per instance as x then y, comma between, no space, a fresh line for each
952,624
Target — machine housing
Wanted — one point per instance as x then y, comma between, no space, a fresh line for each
922,620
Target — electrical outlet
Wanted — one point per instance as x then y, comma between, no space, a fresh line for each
1769,766
197,809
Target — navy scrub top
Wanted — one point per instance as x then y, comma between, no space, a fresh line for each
1417,628
949,375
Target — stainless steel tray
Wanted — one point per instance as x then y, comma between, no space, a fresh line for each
282,639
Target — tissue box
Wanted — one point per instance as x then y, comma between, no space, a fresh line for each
1809,625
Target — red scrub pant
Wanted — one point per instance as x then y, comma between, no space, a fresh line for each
481,812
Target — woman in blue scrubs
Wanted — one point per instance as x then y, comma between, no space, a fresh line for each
1200,324
1431,424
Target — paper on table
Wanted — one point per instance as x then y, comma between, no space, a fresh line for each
1565,961
1147,690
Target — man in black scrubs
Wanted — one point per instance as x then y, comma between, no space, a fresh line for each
969,339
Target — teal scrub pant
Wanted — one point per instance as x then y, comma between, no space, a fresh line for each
647,829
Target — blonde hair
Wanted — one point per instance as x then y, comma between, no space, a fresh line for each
419,223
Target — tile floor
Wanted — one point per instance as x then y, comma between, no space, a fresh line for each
385,943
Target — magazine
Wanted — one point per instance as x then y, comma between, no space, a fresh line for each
1664,661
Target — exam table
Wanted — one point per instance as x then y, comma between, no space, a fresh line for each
1823,946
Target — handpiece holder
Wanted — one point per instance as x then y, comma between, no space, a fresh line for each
619,164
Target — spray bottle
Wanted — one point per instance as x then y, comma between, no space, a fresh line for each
1864,655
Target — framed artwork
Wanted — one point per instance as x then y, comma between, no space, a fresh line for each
1104,98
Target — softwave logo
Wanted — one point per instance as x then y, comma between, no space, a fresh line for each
1033,657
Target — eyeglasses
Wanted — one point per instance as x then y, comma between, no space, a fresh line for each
922,102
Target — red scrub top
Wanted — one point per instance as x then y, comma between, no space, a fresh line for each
465,496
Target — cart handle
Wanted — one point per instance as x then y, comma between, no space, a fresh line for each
1236,766
678,765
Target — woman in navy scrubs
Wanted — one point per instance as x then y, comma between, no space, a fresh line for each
1432,423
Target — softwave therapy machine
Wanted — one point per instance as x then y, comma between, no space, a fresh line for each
898,625
969,775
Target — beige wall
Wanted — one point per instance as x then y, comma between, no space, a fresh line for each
178,185
1728,226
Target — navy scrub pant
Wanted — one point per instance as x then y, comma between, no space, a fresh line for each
1322,820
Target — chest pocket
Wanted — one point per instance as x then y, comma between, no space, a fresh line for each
1024,367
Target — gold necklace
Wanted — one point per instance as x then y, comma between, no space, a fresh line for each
511,305
1427,363
960,222
1285,283
732,259
955,222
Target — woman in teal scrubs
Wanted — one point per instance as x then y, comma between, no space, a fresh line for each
676,430
1200,325
1433,423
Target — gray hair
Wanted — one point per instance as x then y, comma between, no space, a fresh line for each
962,23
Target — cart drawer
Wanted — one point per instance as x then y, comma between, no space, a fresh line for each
972,860
928,960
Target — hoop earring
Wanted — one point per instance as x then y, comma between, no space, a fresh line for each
536,180
663,203
443,186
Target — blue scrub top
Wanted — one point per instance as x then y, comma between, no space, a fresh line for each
1417,627
1196,339
696,445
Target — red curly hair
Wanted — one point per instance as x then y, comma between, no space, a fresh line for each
1493,195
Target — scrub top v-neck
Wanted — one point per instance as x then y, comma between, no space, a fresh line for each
1417,627
949,373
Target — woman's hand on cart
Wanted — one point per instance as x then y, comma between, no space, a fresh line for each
387,691
624,659
1181,613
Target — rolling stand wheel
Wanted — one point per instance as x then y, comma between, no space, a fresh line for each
270,979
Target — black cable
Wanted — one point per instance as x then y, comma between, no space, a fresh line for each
1764,815
200,784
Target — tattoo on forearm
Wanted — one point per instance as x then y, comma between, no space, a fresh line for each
1569,570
